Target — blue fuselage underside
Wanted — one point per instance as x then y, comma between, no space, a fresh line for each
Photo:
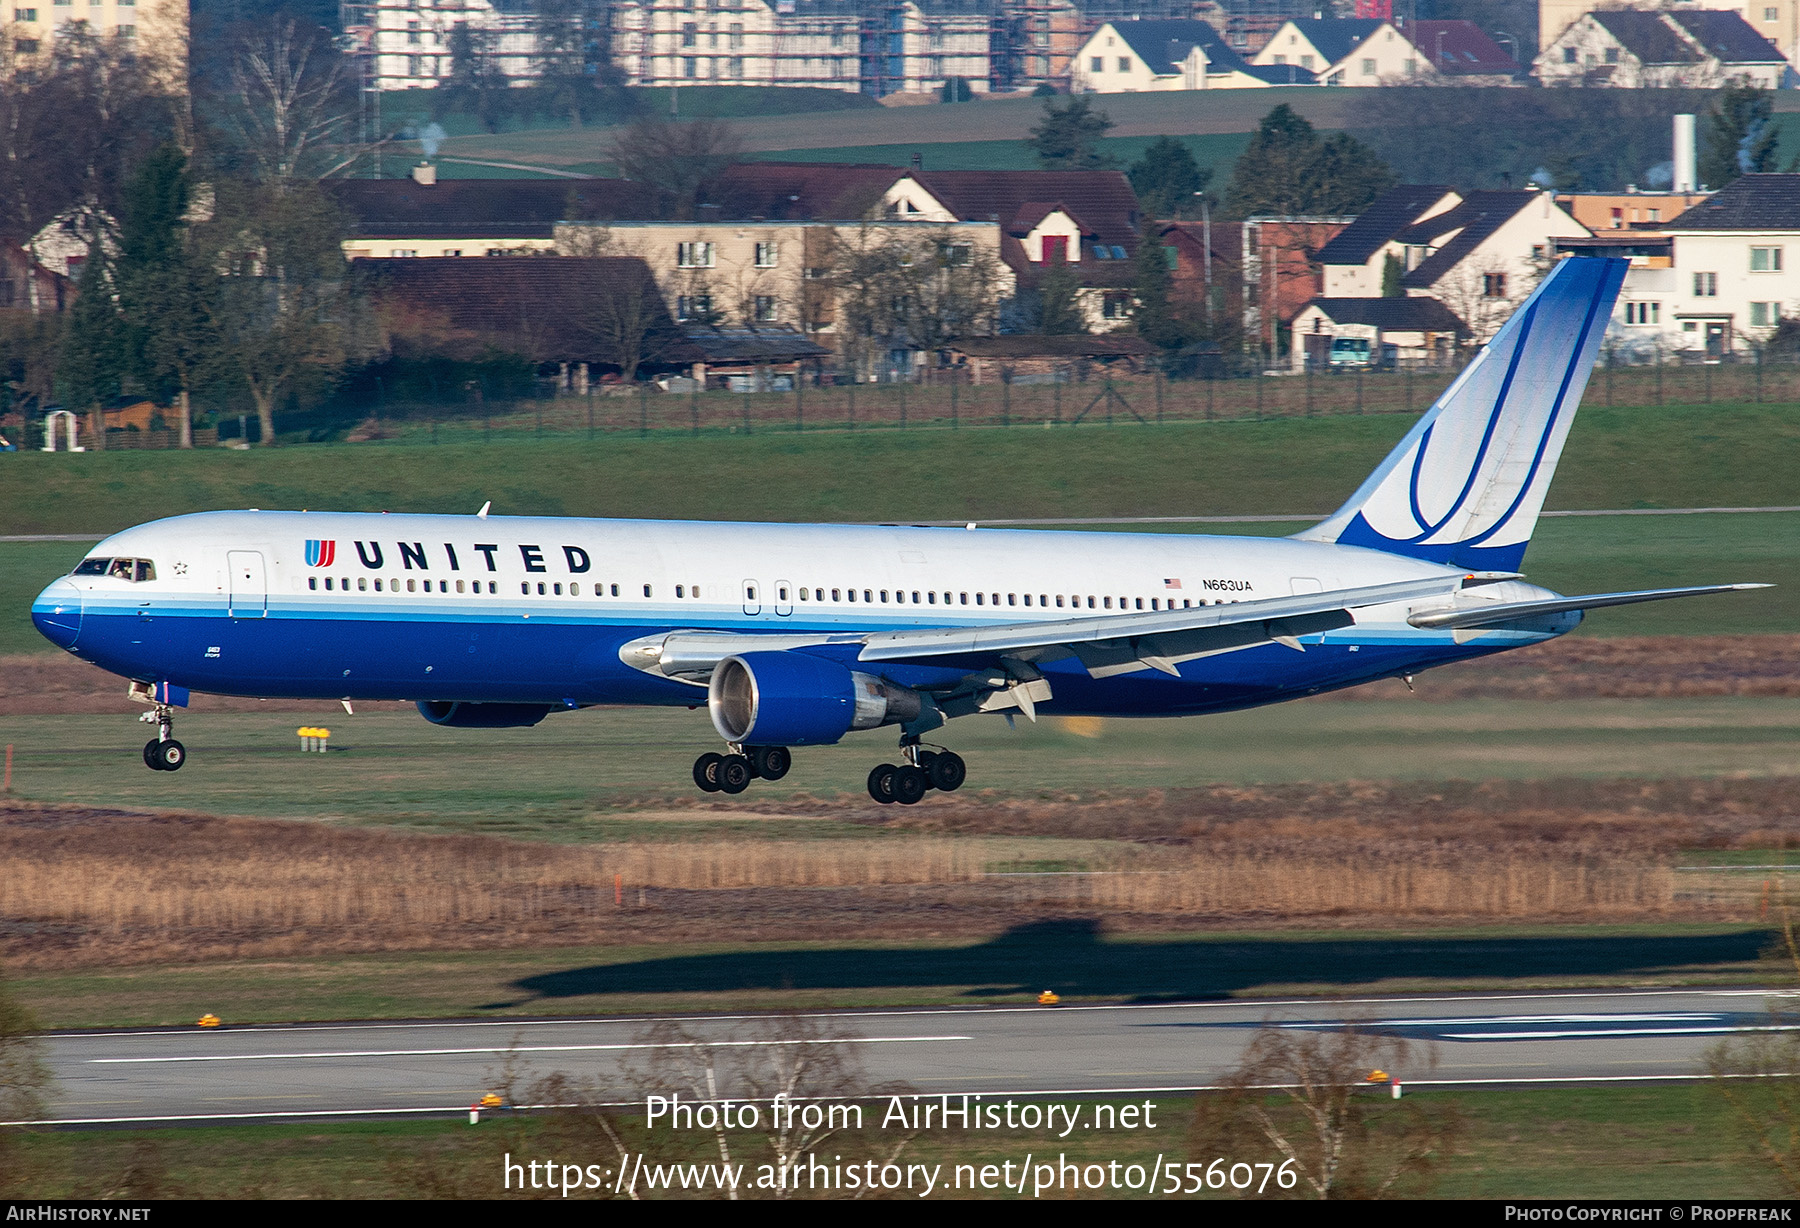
576,662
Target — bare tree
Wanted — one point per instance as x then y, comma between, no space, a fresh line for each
283,294
291,110
24,1084
1757,1072
1307,1093
679,161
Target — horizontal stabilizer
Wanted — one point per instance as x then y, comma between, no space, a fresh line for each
1514,611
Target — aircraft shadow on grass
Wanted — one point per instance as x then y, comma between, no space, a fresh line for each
1071,957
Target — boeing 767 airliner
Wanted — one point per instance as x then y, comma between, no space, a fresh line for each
796,635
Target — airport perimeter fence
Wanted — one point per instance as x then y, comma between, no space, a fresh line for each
1072,397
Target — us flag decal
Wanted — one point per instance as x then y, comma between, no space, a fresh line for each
321,554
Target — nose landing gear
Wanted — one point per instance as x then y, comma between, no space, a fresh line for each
163,753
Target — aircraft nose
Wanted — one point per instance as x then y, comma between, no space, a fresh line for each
57,613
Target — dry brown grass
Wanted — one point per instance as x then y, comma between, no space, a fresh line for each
80,886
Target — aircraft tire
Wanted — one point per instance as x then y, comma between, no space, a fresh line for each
881,783
706,772
771,762
150,755
909,784
734,774
946,771
170,755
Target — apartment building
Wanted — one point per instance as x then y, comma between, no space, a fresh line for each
1724,276
155,30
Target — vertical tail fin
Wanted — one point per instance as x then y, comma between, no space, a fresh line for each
1466,484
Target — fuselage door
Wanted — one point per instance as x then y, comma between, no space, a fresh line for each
784,598
249,584
752,597
1306,584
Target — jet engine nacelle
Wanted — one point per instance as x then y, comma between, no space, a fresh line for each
481,716
796,699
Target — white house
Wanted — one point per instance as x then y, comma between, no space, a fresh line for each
1733,275
1135,57
1483,257
1354,262
1345,51
1679,49
1776,20
1475,256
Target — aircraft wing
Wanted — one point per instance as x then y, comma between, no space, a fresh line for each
1160,639
1106,645
1512,611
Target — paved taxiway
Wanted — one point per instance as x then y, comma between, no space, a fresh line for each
356,1068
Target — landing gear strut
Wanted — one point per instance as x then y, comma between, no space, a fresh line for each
163,753
924,769
733,772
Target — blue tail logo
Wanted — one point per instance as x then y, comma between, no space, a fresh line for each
1467,483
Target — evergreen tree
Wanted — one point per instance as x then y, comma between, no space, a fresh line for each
1343,177
164,294
1391,273
95,349
1059,302
1152,311
1167,179
1068,136
474,87
1288,170
1740,135
1270,176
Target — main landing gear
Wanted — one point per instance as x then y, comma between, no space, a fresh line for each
163,753
732,773
943,770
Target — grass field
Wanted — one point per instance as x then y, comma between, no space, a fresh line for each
953,137
996,122
1669,1142
392,767
1217,151
1665,456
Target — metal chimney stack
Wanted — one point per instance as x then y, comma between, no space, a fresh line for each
1685,156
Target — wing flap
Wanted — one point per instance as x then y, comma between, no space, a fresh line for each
1515,611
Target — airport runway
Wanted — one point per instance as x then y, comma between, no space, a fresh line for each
351,1069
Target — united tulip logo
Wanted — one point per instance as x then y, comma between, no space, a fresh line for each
320,554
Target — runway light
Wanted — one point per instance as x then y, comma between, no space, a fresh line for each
1049,998
492,1100
1378,1076
313,738
208,1020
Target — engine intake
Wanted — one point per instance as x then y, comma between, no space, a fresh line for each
796,699
481,716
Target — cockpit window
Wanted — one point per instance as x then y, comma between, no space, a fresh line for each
135,570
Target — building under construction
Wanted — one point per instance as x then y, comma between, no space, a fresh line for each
874,47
